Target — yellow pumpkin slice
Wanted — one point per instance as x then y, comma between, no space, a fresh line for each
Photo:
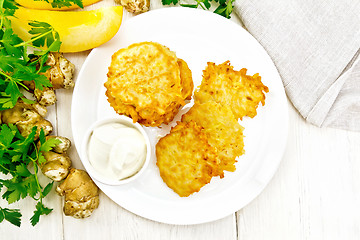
79,30
36,4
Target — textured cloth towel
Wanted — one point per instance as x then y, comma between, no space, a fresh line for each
315,46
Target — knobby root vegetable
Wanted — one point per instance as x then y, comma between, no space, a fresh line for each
81,194
135,6
63,146
60,74
46,97
26,116
57,165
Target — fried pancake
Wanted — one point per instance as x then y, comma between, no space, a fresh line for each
186,79
222,84
223,131
185,159
187,89
147,82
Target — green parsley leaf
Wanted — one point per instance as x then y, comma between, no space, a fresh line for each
6,136
18,154
32,184
13,90
168,2
7,8
65,3
45,146
42,137
44,33
189,5
9,40
224,7
40,210
11,215
16,189
49,144
47,189
9,63
22,170
206,3
9,5
41,158
16,64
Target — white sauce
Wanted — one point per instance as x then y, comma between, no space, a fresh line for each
116,151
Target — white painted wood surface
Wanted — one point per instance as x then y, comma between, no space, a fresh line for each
314,195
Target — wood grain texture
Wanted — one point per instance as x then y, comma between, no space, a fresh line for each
313,195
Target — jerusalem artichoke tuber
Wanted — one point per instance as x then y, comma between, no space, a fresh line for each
60,75
81,194
26,116
57,165
135,6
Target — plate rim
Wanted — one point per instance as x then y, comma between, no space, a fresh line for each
280,154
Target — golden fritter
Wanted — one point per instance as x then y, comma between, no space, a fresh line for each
222,130
222,84
147,82
186,79
185,159
187,89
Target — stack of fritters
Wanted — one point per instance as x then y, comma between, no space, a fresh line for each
209,137
147,82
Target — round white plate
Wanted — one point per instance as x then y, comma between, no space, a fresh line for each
198,37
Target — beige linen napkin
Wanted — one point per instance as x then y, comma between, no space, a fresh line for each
315,46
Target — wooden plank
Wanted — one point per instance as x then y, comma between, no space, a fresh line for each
113,222
315,193
50,226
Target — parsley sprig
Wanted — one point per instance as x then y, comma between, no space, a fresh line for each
11,215
23,60
224,7
19,159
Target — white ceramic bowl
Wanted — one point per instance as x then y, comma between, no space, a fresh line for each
84,150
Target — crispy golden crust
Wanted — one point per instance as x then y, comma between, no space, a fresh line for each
209,137
147,82
185,159
186,79
222,130
222,84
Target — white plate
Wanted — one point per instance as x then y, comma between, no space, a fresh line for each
198,37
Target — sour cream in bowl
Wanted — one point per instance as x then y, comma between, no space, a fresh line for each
115,150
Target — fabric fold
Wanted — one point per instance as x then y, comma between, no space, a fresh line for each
311,43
